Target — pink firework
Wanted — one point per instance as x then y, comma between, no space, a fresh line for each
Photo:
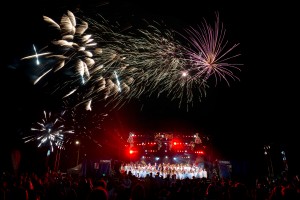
208,53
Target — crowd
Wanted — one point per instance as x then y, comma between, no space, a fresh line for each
124,185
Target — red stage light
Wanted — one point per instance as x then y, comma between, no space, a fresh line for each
199,152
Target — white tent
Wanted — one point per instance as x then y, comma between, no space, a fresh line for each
75,170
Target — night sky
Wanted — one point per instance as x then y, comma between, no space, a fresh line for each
262,108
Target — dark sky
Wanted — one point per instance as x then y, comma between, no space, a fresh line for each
261,108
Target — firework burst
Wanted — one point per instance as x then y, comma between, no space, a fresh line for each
50,132
209,53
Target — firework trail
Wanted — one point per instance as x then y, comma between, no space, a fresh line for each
95,61
50,132
148,61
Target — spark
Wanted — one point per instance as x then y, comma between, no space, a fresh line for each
36,55
118,82
88,105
